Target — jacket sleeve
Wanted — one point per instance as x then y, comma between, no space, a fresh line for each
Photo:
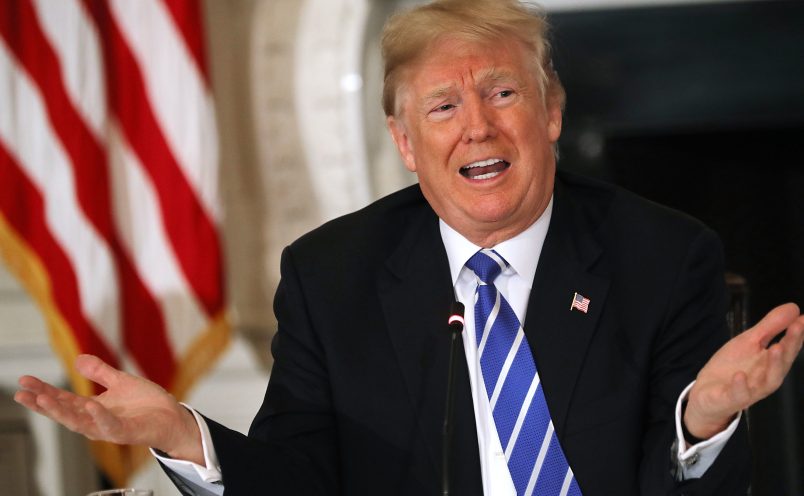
692,329
291,447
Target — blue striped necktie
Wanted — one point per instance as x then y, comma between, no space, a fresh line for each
535,459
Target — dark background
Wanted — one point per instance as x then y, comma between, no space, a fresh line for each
701,108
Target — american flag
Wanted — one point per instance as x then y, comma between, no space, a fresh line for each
579,302
108,187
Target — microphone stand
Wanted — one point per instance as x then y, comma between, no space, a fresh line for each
456,327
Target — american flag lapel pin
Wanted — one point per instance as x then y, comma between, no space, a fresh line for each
580,302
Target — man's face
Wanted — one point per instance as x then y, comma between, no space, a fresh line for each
472,124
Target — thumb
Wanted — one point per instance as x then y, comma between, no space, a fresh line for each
96,370
776,321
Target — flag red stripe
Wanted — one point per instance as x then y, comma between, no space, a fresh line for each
190,231
188,19
23,207
144,330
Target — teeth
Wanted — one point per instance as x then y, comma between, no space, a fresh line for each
482,163
487,175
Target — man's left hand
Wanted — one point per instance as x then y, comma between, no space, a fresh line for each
744,371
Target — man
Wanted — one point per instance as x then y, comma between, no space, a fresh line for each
589,312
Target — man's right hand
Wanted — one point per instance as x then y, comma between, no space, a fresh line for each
132,410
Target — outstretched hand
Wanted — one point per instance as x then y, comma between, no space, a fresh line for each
745,370
132,410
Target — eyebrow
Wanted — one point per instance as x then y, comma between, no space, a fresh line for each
492,75
439,92
495,75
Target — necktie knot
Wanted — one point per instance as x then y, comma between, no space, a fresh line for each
487,265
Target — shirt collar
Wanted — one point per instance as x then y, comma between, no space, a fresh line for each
521,252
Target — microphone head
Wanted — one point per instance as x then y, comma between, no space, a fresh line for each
455,321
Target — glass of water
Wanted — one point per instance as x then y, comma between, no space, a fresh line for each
123,492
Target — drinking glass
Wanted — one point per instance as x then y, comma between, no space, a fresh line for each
123,492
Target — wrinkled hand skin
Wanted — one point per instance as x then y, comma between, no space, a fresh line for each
132,410
744,371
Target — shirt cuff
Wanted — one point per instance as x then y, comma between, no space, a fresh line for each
211,473
696,459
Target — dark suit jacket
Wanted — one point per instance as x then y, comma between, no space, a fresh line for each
356,398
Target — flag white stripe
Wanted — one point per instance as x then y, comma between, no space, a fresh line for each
30,138
537,468
182,103
178,96
567,481
139,221
523,413
506,367
74,38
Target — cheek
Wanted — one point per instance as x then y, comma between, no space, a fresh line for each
436,147
524,128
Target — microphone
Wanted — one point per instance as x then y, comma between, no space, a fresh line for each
455,320
455,323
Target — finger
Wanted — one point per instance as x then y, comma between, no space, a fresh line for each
32,383
790,343
96,370
37,386
28,400
766,378
69,416
775,371
32,388
793,341
775,322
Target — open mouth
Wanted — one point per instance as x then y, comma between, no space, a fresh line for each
484,169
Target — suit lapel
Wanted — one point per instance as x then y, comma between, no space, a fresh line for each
416,293
558,336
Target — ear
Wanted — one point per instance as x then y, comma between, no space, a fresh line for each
554,120
400,136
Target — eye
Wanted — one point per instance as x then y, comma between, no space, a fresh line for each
442,112
503,97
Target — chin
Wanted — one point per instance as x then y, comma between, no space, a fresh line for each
491,209
493,216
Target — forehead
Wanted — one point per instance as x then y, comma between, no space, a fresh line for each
453,63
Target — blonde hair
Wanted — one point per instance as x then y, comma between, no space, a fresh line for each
407,35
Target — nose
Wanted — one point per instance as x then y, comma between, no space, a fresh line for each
478,125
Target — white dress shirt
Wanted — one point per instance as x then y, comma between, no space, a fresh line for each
522,254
